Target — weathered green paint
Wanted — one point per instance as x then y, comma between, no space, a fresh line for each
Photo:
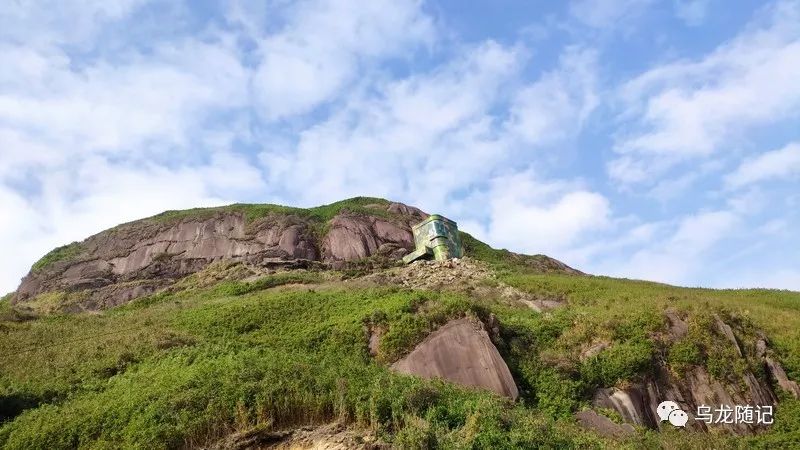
436,237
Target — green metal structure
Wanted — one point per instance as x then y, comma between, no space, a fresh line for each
435,237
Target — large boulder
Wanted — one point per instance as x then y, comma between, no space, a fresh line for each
354,237
461,352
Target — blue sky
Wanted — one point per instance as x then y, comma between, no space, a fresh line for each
637,138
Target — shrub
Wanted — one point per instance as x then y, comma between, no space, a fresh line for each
556,395
684,355
62,253
619,362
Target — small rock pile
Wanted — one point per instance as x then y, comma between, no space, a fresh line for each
435,274
460,274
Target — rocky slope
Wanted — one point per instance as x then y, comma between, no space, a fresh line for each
637,403
138,258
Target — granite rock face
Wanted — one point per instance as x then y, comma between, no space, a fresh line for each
354,237
637,403
460,352
135,259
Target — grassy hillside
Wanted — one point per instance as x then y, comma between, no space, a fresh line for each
186,368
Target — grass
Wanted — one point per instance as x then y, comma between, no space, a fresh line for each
505,261
620,310
252,212
186,368
62,253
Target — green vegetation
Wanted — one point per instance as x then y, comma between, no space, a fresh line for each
189,367
186,367
506,261
62,253
232,288
252,212
684,355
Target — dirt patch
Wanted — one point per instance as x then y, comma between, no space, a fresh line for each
326,437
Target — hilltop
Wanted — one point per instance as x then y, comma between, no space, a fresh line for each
145,256
266,326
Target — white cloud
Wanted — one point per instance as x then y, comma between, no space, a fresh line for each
68,113
556,105
621,236
529,215
408,140
773,165
50,22
680,255
325,44
690,109
432,135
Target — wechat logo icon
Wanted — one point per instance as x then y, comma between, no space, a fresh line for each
670,411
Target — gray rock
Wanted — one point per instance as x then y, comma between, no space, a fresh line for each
779,375
461,352
590,420
727,331
637,403
678,328
167,250
354,237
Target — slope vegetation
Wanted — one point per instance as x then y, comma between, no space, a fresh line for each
238,352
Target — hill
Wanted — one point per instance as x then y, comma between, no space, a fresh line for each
253,326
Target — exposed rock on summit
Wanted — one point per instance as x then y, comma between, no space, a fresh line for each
140,257
353,237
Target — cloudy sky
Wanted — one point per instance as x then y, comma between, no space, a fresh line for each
654,139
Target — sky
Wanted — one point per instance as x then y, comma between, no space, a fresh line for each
645,139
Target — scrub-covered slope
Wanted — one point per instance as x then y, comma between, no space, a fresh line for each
267,348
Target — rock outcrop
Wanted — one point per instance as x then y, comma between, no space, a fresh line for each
353,237
461,352
142,257
138,258
637,402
